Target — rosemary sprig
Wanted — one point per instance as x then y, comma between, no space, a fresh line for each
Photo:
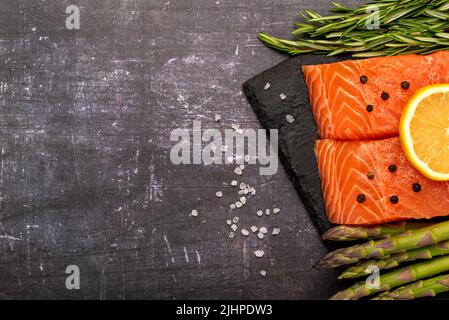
404,27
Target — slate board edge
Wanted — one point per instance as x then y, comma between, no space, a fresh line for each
254,102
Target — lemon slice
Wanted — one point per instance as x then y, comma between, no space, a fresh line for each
424,131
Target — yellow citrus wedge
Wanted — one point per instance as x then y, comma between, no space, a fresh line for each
424,131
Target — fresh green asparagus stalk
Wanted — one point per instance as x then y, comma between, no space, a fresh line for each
420,289
411,239
358,270
350,233
396,278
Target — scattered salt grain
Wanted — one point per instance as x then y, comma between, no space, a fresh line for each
217,117
260,235
276,231
231,234
234,227
232,206
259,213
238,171
263,230
242,166
235,219
253,228
252,191
233,183
194,213
289,118
247,158
267,86
267,212
241,192
219,194
276,210
245,232
263,273
245,191
282,96
238,204
259,253
229,222
242,186
243,200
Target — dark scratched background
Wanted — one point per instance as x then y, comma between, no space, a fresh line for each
85,174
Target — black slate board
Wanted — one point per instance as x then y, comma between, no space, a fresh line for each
296,140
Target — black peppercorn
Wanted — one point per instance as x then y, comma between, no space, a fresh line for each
370,175
416,187
361,198
384,95
363,79
405,85
392,168
370,108
394,199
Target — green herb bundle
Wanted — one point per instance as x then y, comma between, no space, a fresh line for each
400,27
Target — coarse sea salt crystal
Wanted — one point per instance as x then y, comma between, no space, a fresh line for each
234,227
263,273
245,232
259,213
238,204
194,213
217,117
282,96
289,118
231,234
219,194
254,228
259,253
235,219
267,212
229,222
267,86
232,206
260,235
276,210
233,183
238,171
276,231
263,230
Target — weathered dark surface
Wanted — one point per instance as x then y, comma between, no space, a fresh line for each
85,178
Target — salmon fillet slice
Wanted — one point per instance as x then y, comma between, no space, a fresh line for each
371,182
363,99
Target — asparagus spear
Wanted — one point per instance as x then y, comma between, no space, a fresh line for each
411,239
358,270
350,233
396,278
420,289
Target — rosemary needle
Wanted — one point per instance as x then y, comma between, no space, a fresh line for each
404,27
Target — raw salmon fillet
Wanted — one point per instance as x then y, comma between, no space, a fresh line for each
359,183
340,100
